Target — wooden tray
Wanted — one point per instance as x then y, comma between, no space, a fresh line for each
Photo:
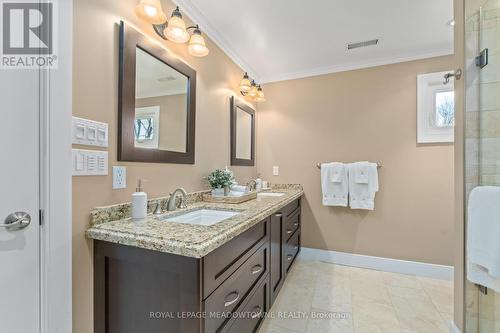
230,200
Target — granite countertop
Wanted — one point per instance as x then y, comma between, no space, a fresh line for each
196,241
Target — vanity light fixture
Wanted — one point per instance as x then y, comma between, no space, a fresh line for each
173,29
250,88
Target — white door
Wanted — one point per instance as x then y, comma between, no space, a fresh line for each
19,192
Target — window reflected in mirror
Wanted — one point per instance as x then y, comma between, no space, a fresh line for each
161,105
243,134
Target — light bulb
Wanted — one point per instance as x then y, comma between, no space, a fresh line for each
176,28
253,91
197,45
245,84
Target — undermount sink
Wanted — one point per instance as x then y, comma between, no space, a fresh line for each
205,217
270,194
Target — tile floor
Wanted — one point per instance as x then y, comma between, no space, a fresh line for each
356,300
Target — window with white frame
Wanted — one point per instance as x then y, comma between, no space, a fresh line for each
435,108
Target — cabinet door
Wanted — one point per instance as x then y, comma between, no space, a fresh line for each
277,254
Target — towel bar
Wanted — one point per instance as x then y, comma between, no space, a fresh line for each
319,165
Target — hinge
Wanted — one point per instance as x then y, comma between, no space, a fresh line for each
482,58
482,289
41,216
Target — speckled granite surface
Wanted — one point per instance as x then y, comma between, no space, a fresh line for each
157,233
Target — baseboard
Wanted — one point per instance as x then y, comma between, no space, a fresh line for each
454,328
379,263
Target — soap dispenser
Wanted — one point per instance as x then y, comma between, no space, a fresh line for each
139,203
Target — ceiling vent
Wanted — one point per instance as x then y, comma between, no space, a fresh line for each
167,78
362,44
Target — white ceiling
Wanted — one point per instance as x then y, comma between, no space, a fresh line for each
283,39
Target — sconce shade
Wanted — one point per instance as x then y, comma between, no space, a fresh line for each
176,29
197,47
245,84
151,11
253,91
260,95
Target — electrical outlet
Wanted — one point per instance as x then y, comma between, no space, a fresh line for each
276,170
119,177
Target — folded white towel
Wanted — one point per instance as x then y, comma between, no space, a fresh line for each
483,236
334,184
239,188
363,184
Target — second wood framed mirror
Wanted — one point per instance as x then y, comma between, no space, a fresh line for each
242,133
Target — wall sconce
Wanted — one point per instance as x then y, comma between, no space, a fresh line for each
173,29
250,88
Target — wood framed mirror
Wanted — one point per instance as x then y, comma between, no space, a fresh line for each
242,134
156,102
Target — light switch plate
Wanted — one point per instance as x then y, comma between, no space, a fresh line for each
89,132
119,177
276,170
90,162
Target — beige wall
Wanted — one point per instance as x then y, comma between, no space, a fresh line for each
173,120
367,114
95,89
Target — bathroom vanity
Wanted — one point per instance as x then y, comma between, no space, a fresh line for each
195,274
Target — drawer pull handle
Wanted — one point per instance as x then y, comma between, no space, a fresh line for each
257,312
296,224
296,247
289,257
233,298
289,231
256,269
278,215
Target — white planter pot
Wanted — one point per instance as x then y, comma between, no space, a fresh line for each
218,192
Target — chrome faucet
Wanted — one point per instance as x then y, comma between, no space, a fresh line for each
252,185
171,204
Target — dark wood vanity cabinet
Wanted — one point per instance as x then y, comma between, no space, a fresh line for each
285,244
229,290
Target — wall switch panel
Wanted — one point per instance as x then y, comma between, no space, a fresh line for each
89,132
90,162
276,170
119,177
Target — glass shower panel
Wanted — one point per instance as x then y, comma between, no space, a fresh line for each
482,139
489,131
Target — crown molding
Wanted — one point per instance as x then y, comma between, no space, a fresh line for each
349,67
195,15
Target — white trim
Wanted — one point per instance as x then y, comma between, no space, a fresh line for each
349,67
197,16
379,263
454,328
56,193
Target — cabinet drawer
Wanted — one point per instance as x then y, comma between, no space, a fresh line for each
292,248
222,262
233,291
253,312
291,208
291,225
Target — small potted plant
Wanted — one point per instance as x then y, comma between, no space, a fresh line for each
220,181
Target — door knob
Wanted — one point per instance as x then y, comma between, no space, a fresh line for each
16,221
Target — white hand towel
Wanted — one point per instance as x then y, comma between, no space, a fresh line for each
363,184
239,188
334,184
483,236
